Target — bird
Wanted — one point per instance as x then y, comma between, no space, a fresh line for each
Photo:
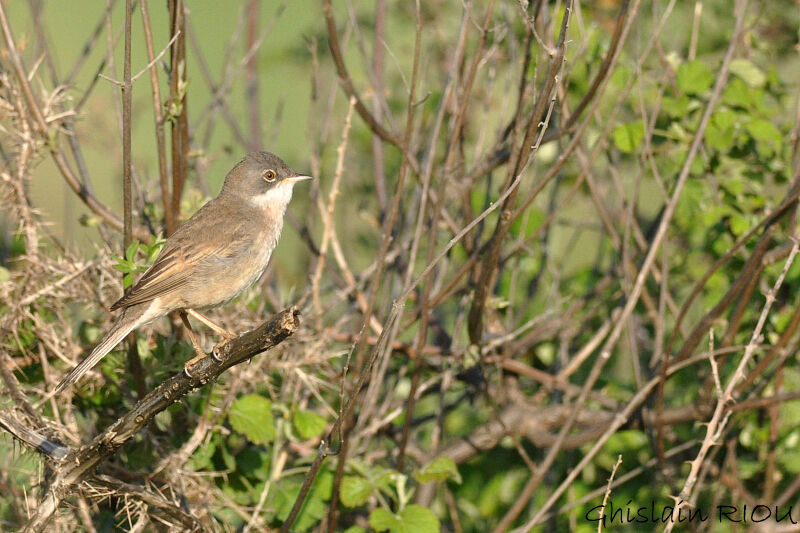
210,259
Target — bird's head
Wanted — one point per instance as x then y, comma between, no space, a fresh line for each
262,179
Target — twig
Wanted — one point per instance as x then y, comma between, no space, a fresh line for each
169,215
149,66
719,419
42,130
633,298
82,462
51,450
608,492
523,155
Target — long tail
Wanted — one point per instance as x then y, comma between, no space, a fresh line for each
118,332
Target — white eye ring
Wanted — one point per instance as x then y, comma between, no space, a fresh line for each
269,175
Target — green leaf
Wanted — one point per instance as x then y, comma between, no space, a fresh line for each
694,77
737,94
355,529
251,415
355,490
440,469
739,225
675,107
790,461
380,520
156,244
765,134
308,424
748,72
412,519
715,213
201,458
418,519
629,136
5,275
130,253
722,131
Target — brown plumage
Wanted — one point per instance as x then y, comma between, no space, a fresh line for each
212,257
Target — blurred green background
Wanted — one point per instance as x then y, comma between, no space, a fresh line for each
285,86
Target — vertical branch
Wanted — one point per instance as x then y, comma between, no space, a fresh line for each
180,126
134,361
253,107
169,214
526,150
378,174
424,305
363,364
126,133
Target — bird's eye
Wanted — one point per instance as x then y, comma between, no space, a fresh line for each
269,175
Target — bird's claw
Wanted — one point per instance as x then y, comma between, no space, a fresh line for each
219,346
215,355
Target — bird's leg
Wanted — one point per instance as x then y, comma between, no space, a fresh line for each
196,345
227,336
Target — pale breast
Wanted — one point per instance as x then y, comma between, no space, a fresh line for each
226,276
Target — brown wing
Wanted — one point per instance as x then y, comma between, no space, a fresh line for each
189,247
168,273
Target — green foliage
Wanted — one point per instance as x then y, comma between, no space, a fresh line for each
251,415
440,469
694,78
628,137
130,264
308,424
414,518
355,490
569,263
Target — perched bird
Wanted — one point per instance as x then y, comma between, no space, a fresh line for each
211,258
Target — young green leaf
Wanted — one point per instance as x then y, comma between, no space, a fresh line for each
694,77
354,490
412,519
251,415
418,519
380,520
440,469
628,137
308,424
748,72
130,253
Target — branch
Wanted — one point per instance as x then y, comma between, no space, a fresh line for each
527,151
158,504
76,466
41,128
347,84
50,449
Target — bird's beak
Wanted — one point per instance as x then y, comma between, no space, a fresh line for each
299,177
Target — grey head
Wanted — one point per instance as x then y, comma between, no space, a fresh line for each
263,180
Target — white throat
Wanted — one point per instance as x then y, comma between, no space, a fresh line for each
276,198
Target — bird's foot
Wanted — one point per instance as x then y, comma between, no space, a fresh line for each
199,354
220,345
